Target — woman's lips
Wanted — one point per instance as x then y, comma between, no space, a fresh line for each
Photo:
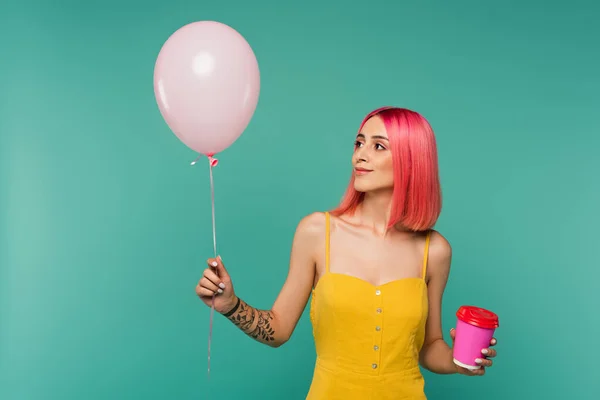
362,171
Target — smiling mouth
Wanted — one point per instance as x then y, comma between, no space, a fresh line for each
362,171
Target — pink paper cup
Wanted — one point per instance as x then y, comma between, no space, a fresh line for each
475,328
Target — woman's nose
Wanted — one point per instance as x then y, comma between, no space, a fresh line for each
361,154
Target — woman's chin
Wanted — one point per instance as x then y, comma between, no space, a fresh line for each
362,188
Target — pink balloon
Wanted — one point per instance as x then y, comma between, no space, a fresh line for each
207,84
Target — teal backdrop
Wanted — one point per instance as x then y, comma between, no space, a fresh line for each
105,226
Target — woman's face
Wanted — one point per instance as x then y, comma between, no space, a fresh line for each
372,158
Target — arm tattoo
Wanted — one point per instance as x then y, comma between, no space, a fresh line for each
255,323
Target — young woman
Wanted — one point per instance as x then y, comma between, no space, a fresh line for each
376,270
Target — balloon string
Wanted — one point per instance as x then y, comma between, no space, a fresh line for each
212,162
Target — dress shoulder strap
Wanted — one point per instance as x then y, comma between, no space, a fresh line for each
426,255
327,240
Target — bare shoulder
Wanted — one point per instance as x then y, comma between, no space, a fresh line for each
308,237
311,225
440,254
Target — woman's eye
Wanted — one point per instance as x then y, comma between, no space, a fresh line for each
357,144
380,146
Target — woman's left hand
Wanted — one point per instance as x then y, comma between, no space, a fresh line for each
484,361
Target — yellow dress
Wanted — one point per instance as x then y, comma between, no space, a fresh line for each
368,337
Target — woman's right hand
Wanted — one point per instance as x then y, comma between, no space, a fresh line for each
216,281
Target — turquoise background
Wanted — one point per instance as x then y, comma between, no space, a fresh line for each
105,226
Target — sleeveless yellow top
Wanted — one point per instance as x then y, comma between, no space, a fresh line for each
368,337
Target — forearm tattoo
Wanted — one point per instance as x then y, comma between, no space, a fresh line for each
255,323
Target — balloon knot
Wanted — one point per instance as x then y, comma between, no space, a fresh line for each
213,161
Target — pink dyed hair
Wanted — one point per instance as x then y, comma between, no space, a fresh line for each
417,196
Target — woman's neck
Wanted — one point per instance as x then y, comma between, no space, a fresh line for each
374,211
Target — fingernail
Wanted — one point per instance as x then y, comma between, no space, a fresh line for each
220,291
493,341
484,351
219,257
478,360
214,263
222,285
